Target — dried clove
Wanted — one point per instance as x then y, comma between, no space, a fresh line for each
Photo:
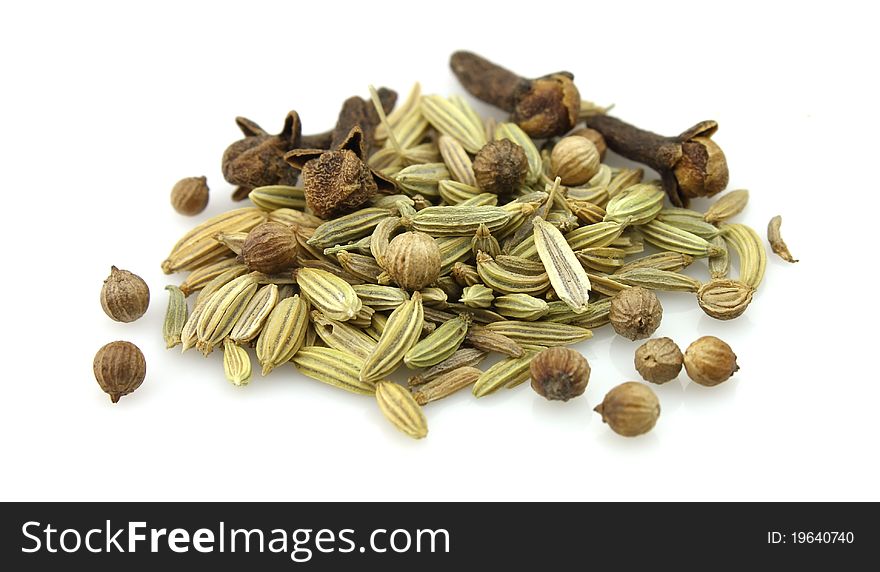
690,165
361,112
542,107
338,181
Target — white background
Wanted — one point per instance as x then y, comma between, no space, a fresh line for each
106,105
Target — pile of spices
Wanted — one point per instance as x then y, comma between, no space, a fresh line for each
425,237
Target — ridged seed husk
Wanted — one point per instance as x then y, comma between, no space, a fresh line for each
343,336
197,279
381,237
750,250
283,334
464,357
546,334
451,118
671,261
453,249
668,237
328,293
521,307
220,281
223,309
188,335
364,267
251,321
273,197
295,218
446,384
333,367
566,275
507,282
639,203
379,297
236,363
457,160
604,284
401,333
457,220
688,220
727,206
175,316
439,344
719,263
399,407
594,235
725,299
604,259
487,340
422,179
198,247
658,280
508,373
456,193
348,227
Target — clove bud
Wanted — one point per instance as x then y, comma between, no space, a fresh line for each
542,107
690,165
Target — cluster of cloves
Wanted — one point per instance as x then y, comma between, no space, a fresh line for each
261,159
690,165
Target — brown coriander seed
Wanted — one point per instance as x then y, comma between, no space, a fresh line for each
270,248
413,260
659,360
119,368
575,160
500,167
635,313
125,296
630,409
710,361
559,373
189,196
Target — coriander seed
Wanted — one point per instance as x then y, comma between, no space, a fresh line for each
413,260
575,160
559,373
270,248
120,368
635,313
630,409
710,361
190,195
125,296
501,167
659,360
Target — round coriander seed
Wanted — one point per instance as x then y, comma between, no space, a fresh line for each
125,296
559,373
710,361
270,248
413,260
500,167
635,313
658,360
630,409
119,368
190,195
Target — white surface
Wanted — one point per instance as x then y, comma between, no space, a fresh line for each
106,105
